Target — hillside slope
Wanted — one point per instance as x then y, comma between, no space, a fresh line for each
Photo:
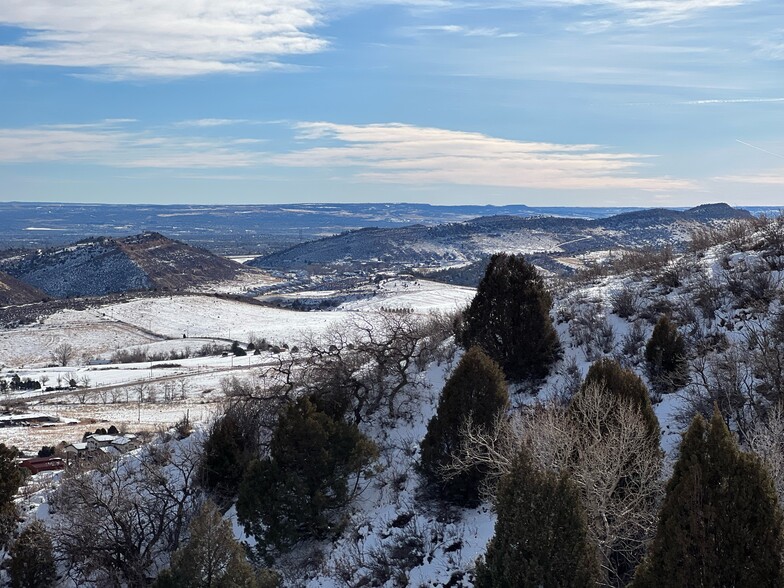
12,291
104,265
474,239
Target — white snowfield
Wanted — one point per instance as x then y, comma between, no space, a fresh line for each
109,392
99,332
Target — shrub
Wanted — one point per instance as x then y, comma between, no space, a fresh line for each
665,353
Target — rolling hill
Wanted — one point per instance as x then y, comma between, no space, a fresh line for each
473,239
104,265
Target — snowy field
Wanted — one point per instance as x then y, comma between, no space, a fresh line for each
108,393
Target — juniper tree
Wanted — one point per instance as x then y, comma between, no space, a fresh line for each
313,470
622,384
510,318
10,479
475,393
212,558
31,559
665,354
540,535
720,524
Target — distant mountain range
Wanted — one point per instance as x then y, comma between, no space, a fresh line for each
471,240
245,229
106,265
151,261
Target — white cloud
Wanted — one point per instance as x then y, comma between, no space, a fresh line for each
109,145
404,154
492,32
211,122
645,12
771,178
637,12
151,38
733,101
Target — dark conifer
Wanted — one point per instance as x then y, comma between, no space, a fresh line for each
665,354
720,524
625,385
313,470
510,319
32,561
10,479
540,535
476,390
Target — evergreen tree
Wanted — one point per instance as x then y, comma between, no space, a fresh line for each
10,475
720,524
296,492
31,562
476,390
665,354
212,558
510,318
228,449
624,385
540,534
10,479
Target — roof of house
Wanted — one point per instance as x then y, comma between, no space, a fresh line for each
103,438
77,446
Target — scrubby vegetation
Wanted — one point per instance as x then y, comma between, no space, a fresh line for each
375,455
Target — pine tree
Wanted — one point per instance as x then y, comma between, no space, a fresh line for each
476,390
665,354
296,492
212,558
540,534
31,562
626,386
720,524
510,319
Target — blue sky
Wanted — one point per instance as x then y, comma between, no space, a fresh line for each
540,102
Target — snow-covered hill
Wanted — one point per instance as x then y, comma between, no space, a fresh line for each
96,267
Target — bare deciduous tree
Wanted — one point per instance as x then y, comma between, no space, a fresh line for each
63,353
611,460
364,366
112,526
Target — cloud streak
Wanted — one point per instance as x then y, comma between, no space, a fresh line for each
405,154
150,38
110,144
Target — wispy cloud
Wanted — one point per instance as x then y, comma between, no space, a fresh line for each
734,101
405,154
111,145
644,12
492,32
149,38
211,122
771,48
770,178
